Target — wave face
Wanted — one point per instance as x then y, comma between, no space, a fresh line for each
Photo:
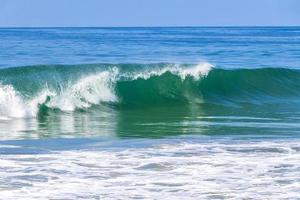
29,91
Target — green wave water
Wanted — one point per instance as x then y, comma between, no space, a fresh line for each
32,90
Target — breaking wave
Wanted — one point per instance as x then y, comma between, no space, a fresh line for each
27,91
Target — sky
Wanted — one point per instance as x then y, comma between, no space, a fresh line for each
111,13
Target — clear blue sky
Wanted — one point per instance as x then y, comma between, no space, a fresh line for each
149,12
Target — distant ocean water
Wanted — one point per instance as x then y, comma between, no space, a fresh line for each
150,113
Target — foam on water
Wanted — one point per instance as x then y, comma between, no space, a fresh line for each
196,71
87,91
12,104
182,169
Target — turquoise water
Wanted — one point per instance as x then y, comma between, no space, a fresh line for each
150,113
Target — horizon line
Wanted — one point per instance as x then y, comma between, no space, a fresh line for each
167,26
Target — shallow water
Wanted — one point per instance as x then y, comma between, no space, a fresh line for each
185,167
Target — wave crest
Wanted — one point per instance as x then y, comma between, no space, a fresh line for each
88,90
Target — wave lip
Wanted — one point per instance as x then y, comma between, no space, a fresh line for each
194,71
87,91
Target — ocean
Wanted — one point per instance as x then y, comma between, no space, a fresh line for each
150,113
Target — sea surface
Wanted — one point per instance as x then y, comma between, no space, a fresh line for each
150,113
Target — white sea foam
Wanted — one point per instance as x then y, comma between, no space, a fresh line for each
89,90
166,170
12,104
195,71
